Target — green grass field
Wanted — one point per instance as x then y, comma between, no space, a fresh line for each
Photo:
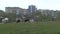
31,28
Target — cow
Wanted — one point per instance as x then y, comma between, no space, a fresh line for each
5,20
26,20
17,21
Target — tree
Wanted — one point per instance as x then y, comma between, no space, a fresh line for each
1,13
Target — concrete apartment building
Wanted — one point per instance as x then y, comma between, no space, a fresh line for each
32,8
47,12
12,9
16,10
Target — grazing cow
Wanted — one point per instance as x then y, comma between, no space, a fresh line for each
26,20
5,20
18,21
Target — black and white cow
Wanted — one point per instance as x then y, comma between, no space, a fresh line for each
26,20
17,21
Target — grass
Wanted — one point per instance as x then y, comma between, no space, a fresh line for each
31,28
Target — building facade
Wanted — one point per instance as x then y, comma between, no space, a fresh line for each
12,9
32,8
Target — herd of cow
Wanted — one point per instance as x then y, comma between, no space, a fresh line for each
27,20
6,20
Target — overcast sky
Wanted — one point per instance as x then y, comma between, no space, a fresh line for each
40,4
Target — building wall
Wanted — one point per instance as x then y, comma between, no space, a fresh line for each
11,9
32,8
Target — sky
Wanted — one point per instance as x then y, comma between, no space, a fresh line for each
40,4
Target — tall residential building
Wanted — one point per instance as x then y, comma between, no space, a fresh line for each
25,11
12,9
16,10
32,8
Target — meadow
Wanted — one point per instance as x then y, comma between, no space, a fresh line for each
31,28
